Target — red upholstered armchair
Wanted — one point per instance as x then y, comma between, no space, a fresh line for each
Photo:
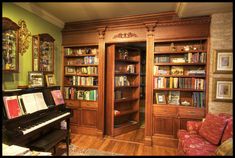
203,138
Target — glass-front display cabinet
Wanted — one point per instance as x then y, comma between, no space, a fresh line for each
10,45
43,53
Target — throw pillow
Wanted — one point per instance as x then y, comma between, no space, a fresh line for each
212,128
226,148
228,132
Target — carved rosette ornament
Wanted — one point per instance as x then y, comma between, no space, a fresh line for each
24,37
125,35
150,28
101,32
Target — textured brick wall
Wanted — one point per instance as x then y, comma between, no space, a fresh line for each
221,34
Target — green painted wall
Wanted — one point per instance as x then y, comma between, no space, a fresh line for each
35,25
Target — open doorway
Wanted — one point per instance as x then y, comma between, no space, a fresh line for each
115,123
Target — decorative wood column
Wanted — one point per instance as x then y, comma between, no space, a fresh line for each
149,82
101,82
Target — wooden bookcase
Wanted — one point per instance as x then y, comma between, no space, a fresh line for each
179,85
122,89
80,86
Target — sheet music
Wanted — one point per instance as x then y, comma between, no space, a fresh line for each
29,103
40,101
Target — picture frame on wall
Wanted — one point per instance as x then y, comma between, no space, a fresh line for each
223,90
50,80
223,61
35,79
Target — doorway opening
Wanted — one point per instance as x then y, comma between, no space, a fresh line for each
126,65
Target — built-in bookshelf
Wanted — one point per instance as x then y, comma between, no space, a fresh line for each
80,86
180,70
122,88
179,85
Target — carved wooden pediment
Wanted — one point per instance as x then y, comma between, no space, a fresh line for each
125,35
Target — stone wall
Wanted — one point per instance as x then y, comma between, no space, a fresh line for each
221,33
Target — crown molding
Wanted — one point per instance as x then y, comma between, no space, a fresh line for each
41,13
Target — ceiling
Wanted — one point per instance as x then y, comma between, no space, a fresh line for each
59,13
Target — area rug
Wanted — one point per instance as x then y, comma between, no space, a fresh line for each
76,151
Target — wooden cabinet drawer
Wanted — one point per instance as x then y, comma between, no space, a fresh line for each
165,111
72,103
188,112
89,104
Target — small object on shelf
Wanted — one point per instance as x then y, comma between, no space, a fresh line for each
172,47
186,103
187,48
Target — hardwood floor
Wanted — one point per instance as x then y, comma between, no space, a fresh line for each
130,144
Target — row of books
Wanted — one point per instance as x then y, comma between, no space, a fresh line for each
177,70
175,82
84,81
87,70
121,81
16,106
186,58
195,57
73,93
198,99
75,51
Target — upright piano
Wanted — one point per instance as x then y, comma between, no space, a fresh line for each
24,130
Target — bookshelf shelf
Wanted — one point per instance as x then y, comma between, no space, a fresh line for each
180,64
81,55
126,112
125,73
82,65
119,87
127,61
125,100
122,81
190,76
81,87
178,89
181,52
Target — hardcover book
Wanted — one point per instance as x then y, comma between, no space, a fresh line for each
58,97
12,106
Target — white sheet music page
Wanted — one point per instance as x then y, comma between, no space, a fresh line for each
41,104
29,103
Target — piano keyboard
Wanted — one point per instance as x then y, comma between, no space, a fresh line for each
28,130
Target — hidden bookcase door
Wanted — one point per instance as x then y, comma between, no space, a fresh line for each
179,86
122,89
80,87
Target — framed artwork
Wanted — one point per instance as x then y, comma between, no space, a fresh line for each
50,80
35,79
223,89
174,97
223,61
160,98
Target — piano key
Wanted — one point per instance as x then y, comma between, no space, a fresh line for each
28,130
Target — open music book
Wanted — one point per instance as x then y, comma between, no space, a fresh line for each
12,106
33,102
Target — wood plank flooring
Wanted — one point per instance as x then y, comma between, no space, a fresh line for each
130,144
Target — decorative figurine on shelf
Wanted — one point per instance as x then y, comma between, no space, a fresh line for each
123,53
172,47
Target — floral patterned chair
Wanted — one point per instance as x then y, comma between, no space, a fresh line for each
208,137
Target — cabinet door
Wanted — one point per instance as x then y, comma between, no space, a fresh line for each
164,126
88,117
76,119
